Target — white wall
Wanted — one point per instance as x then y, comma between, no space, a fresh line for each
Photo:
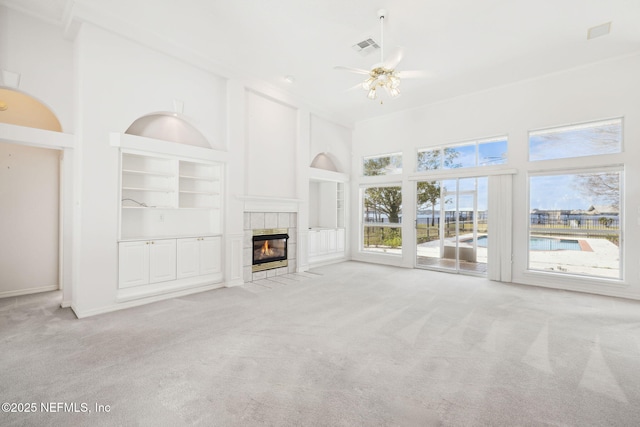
314,204
101,83
29,225
271,141
119,81
44,60
603,90
332,138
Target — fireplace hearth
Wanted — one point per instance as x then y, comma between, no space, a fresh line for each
269,249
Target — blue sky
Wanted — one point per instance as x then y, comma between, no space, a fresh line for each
559,192
576,141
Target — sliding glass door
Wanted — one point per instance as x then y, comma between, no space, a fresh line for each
451,225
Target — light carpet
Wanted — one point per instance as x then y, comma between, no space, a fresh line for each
351,344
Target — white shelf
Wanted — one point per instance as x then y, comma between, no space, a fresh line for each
206,193
143,172
149,207
157,190
182,197
202,178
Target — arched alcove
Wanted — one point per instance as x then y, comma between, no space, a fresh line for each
168,127
18,108
324,161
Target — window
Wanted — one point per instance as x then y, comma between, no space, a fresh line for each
587,139
389,164
575,225
381,221
467,155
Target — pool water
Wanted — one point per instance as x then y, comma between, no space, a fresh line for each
543,244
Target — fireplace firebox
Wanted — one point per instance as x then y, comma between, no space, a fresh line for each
269,249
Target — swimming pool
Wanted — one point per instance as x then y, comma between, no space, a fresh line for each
542,244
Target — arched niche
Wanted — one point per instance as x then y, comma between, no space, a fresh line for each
168,126
324,161
18,108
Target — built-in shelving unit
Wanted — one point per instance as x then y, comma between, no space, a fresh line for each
147,182
165,196
199,186
170,235
340,214
327,216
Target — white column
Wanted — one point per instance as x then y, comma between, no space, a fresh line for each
235,184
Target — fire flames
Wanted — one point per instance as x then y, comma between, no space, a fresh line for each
266,250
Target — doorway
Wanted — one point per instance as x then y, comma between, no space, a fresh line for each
30,226
451,225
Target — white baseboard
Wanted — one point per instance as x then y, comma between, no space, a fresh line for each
236,282
142,301
19,292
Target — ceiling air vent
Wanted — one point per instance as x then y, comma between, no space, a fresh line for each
599,30
365,47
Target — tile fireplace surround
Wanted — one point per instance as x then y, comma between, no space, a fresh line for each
261,220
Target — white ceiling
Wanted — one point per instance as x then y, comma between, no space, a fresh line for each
465,45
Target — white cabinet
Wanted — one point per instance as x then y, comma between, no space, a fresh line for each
323,242
170,225
326,244
134,264
210,255
340,240
327,216
331,240
188,257
198,256
313,243
146,262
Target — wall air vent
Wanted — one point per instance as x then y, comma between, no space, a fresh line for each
365,47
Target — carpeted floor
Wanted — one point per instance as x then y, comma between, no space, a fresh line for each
351,344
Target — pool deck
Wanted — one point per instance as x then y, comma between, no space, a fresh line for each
597,257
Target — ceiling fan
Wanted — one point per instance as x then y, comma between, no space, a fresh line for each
383,74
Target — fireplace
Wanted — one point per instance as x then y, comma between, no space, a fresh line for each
269,249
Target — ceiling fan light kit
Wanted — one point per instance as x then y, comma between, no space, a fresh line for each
383,74
380,76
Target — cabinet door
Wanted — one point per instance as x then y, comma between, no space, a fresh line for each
188,257
340,237
323,242
313,243
331,241
210,255
162,260
133,264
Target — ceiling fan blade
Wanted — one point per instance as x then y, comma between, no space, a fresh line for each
413,74
351,69
393,60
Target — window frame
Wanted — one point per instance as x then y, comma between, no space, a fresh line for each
399,171
475,142
576,125
363,224
618,168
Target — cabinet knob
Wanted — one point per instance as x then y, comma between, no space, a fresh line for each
153,243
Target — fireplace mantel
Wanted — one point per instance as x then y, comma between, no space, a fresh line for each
269,204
